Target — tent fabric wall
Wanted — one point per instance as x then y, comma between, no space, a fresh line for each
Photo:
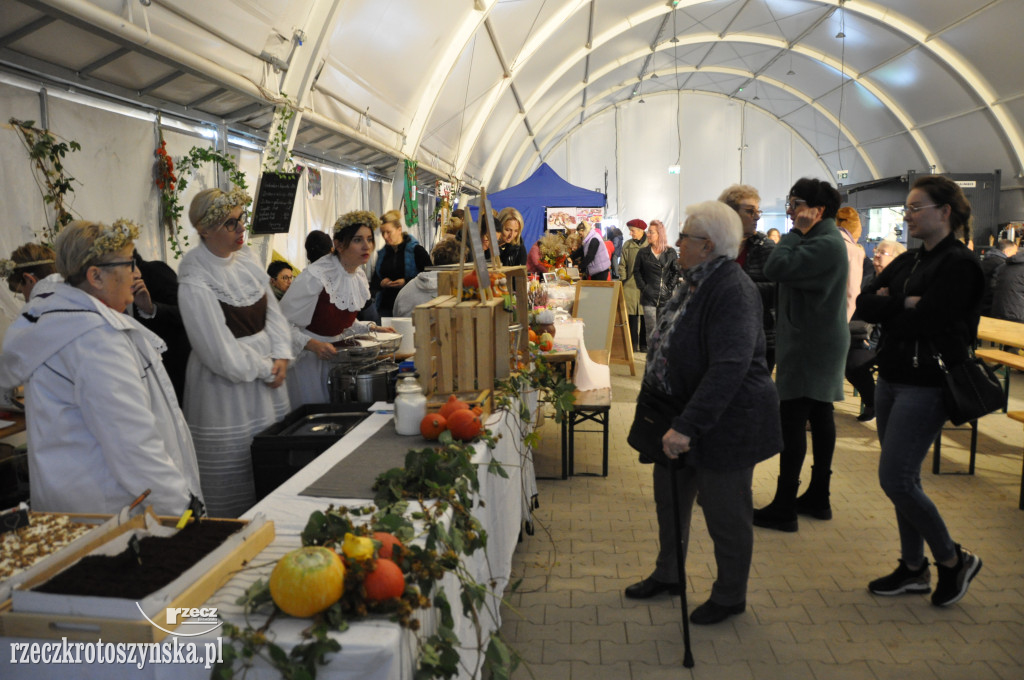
543,189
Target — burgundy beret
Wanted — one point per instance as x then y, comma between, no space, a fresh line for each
639,224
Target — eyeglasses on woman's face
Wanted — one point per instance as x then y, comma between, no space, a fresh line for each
683,236
750,210
119,263
914,209
235,223
794,203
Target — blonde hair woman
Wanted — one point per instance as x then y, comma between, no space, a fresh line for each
323,302
510,237
241,346
398,262
656,275
103,421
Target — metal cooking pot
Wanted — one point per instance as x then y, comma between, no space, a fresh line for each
377,384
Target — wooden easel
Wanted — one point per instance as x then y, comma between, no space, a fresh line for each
602,307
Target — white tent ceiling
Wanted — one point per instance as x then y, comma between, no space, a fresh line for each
484,90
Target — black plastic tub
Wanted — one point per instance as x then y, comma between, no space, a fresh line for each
286,447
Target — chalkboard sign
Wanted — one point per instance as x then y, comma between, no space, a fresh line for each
275,200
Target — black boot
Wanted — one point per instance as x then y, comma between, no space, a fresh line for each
815,501
780,514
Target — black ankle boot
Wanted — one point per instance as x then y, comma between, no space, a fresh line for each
780,514
815,501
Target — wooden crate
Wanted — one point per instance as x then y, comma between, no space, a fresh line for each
461,346
90,628
448,282
483,399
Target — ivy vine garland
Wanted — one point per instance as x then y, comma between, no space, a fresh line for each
171,186
47,155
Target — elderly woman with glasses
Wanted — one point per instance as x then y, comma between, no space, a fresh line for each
728,418
103,420
811,266
241,346
754,251
928,303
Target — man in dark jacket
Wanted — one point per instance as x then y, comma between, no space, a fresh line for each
1008,296
993,263
754,252
155,306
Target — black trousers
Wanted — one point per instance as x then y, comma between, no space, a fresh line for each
794,416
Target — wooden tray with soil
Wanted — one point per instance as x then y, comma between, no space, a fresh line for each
101,590
159,562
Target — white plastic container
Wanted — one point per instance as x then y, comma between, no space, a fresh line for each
410,405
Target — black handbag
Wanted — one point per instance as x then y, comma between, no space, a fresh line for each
655,411
970,390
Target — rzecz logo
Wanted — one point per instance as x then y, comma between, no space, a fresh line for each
200,620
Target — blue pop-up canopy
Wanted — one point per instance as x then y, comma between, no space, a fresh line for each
543,189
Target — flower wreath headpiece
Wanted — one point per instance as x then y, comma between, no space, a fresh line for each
113,238
7,267
222,206
363,218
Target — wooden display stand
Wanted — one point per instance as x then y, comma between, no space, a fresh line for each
463,346
602,307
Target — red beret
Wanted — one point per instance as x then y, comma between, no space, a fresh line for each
639,224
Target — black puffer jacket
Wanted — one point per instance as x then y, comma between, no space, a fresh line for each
656,276
759,247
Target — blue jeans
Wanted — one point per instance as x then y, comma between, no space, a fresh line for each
909,419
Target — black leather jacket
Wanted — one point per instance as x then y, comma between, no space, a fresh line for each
656,276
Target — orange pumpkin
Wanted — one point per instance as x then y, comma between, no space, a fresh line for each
533,336
386,581
388,545
470,280
477,410
465,425
307,581
432,425
451,406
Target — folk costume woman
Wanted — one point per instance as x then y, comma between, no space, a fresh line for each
241,346
322,304
103,421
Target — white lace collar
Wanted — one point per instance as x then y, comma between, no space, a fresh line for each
237,280
346,291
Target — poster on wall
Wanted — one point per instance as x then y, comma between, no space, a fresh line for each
314,183
591,216
560,219
566,218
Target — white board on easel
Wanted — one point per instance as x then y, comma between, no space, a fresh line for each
602,307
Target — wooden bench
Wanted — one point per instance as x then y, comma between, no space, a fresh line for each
1019,417
593,406
1007,360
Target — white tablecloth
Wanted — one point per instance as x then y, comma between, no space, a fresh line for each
374,649
589,374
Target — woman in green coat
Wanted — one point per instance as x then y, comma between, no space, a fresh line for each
810,265
630,290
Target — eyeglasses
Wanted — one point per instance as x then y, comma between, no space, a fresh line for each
683,237
792,203
914,209
753,212
124,263
236,223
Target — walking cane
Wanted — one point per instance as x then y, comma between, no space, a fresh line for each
674,467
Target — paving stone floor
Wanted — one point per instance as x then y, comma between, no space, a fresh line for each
809,614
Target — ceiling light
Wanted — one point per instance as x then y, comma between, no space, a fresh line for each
790,72
642,101
674,39
755,98
654,75
840,34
